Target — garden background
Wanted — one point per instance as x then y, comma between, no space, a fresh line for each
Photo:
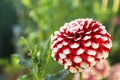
36,21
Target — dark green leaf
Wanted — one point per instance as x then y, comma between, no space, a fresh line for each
23,61
58,76
26,77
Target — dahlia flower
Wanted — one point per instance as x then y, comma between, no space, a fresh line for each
102,69
115,72
88,74
99,72
80,44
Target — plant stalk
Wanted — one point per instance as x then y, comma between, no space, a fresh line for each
81,76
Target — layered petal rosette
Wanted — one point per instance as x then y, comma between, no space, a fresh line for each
80,44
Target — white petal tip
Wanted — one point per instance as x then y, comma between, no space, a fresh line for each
73,70
80,51
75,45
77,59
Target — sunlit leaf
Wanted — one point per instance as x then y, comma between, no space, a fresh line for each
26,2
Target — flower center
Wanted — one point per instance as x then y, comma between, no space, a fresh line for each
74,29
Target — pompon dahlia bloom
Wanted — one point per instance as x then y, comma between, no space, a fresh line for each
115,72
80,44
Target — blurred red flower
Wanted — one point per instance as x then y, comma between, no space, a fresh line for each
99,72
115,72
116,20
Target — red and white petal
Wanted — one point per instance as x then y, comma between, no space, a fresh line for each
68,62
77,59
96,29
55,50
65,43
88,44
65,66
103,31
80,51
107,45
99,55
105,54
57,33
93,63
88,22
104,38
75,45
59,46
95,45
88,32
97,36
73,69
60,39
84,64
91,52
53,54
90,58
78,39
60,61
86,38
66,51
62,56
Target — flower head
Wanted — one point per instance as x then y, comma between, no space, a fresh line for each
80,44
115,72
88,74
99,72
102,69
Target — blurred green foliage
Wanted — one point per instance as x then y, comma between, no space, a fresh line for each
40,18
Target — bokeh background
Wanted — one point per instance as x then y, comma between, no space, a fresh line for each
36,20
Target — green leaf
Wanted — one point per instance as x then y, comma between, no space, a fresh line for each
22,61
26,77
47,45
58,76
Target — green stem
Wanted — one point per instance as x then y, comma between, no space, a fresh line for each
36,77
47,59
81,76
34,72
